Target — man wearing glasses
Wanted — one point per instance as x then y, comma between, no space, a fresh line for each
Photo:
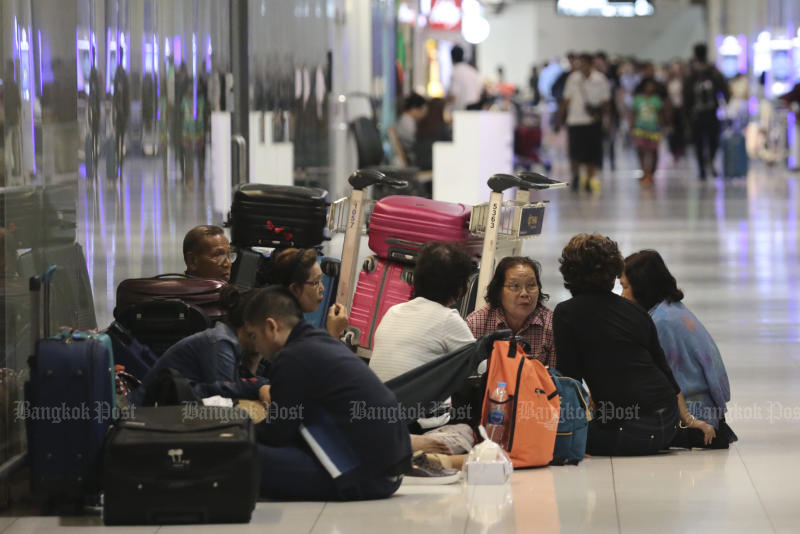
207,253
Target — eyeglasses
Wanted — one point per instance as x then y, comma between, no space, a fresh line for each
514,287
315,283
220,257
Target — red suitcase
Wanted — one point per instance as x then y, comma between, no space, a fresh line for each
400,225
381,285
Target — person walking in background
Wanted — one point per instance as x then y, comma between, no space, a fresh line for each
12,107
466,88
94,112
701,99
677,125
648,111
586,98
122,109
533,84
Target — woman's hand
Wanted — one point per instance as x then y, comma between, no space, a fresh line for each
337,320
708,431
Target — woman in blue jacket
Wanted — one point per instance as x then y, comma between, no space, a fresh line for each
690,350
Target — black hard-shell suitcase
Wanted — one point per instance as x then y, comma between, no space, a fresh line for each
181,464
278,216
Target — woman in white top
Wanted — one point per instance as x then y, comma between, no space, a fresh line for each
426,327
423,329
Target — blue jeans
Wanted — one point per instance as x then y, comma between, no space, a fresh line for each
293,473
646,434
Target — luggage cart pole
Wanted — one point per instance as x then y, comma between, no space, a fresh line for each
351,246
359,181
497,183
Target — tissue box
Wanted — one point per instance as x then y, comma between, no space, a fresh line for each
497,472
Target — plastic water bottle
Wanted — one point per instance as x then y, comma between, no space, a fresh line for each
498,417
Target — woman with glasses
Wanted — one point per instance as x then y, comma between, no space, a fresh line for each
515,302
299,271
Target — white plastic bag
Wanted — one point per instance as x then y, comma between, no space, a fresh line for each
487,463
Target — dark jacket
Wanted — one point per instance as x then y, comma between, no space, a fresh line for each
210,360
320,374
613,344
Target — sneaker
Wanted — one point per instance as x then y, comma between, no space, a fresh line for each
595,186
426,470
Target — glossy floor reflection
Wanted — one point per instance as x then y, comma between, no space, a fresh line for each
733,248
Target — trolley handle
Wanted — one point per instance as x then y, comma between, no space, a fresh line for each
534,180
500,182
363,178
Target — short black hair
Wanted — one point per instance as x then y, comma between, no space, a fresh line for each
494,292
292,266
442,272
276,302
193,241
414,101
457,54
586,56
650,280
590,263
701,52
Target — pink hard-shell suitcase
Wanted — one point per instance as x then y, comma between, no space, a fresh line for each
381,285
400,225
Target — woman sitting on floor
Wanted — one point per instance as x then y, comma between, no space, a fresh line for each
690,350
516,302
613,344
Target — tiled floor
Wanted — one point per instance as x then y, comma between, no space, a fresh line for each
733,248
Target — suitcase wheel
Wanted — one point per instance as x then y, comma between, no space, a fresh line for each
330,268
370,264
407,276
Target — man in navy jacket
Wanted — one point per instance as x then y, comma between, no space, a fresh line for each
333,430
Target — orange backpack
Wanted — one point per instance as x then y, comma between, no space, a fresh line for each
535,403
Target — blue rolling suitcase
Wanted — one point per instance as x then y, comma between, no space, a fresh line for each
330,281
69,403
734,155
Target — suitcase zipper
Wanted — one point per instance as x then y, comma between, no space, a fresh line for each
516,401
377,307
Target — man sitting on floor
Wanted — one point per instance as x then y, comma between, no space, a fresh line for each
332,431
207,253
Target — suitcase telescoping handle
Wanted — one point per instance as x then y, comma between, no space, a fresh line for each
35,285
359,180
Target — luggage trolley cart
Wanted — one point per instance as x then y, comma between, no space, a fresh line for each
349,215
510,220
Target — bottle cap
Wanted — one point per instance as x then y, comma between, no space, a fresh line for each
501,384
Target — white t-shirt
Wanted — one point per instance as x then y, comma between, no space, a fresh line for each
414,333
465,86
578,90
